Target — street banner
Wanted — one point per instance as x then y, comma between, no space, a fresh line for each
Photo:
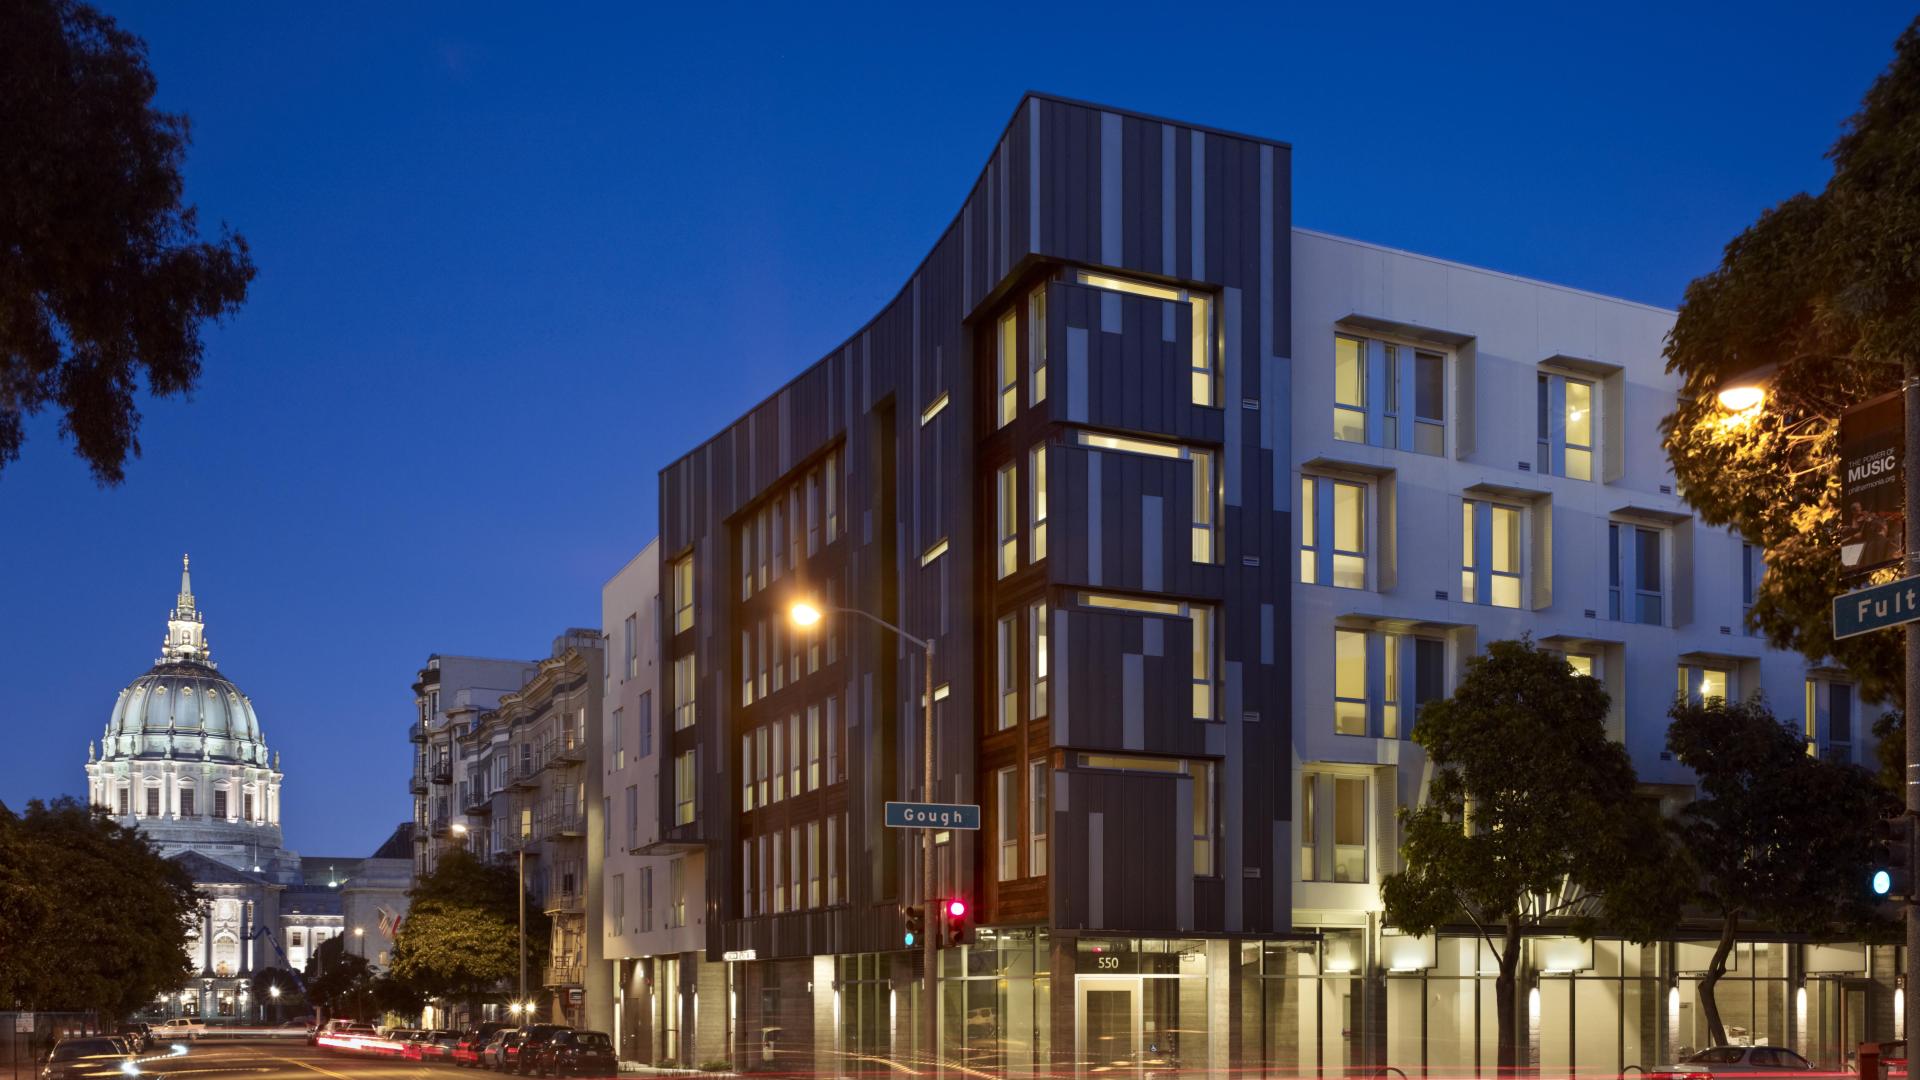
1872,484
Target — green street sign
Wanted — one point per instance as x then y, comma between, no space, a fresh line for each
1866,610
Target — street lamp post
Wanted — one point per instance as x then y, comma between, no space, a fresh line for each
806,615
1747,391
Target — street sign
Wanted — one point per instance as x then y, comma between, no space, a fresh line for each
935,815
23,1023
1876,608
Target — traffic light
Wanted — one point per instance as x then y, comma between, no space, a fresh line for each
958,915
1893,858
916,920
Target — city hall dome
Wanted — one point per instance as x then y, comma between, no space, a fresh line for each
183,708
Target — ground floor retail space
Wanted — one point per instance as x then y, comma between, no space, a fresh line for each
1323,1001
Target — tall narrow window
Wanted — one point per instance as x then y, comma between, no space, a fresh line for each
1349,828
246,806
1007,649
746,560
1840,719
1490,562
796,767
153,803
633,816
646,724
1390,686
1647,584
1206,506
1008,368
1038,779
813,864
779,762
779,871
1564,416
1753,567
1333,535
1309,828
1037,503
833,859
813,747
683,692
684,776
813,511
1350,682
1349,389
833,740
1007,518
1634,589
779,533
1037,650
186,802
746,772
619,738
1007,809
1203,662
1469,547
761,763
1429,402
1203,803
1037,346
677,893
794,867
762,548
833,496
746,666
633,647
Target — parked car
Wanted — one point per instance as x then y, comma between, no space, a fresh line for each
533,1044
577,1053
502,1050
439,1045
467,1049
182,1027
138,1034
90,1058
1763,1060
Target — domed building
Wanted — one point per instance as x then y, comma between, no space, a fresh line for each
183,760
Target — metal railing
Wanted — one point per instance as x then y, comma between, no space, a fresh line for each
563,975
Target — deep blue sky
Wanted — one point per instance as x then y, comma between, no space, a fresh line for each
513,260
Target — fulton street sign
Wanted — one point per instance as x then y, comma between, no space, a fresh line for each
1876,608
932,815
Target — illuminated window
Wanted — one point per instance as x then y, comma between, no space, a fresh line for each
1830,719
1038,778
937,549
1489,554
1008,640
1564,408
1037,503
1203,362
1308,828
1131,603
779,871
833,860
813,747
1582,664
1007,518
684,775
1408,380
1203,661
761,763
796,767
1701,685
746,772
793,866
1037,346
779,762
813,864
934,408
1007,367
1206,506
1350,682
1333,532
1349,389
746,667
1007,811
1207,489
1037,649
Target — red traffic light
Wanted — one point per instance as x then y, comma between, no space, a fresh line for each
956,908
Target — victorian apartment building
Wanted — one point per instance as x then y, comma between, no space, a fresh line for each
1197,508
449,696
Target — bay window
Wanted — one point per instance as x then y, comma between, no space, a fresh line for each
1203,363
1490,554
1372,672
1634,573
1391,395
1207,483
1564,417
1333,532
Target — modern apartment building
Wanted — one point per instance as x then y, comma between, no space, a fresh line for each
1196,509
654,909
448,696
533,802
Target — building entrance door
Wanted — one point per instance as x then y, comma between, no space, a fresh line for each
1107,1024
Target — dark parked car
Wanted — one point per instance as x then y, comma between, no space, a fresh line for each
473,1042
438,1045
578,1053
138,1034
502,1052
93,1058
533,1043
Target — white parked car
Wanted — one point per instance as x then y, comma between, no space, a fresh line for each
180,1027
1746,1060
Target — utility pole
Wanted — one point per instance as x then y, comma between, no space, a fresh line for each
1910,466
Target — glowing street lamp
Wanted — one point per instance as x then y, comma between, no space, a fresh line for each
1746,391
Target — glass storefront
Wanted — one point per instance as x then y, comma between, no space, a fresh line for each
996,1002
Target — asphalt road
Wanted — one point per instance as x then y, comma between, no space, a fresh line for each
288,1059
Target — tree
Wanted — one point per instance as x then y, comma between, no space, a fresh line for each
1774,836
103,275
266,980
94,918
1826,287
460,938
339,981
1531,815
